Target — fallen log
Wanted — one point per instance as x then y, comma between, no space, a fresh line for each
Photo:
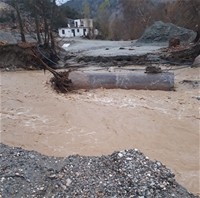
122,80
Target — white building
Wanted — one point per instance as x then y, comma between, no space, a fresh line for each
79,27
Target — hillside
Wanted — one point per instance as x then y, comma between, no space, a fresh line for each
118,19
93,5
114,5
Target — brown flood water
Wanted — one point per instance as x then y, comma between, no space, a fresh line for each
162,125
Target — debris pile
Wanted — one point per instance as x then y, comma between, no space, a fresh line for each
181,53
173,42
126,173
61,83
176,48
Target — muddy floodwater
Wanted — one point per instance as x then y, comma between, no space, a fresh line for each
163,125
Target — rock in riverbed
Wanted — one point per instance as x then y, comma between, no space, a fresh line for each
126,173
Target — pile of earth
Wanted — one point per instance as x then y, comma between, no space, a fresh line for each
181,54
14,56
20,56
160,33
126,173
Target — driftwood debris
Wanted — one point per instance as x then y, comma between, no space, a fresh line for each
61,83
153,69
60,80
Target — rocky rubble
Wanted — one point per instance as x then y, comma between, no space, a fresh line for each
126,173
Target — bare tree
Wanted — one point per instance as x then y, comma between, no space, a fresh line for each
185,13
138,15
103,16
16,6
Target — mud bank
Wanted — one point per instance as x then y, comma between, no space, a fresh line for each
16,56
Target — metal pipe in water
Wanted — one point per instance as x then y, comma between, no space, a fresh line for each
122,80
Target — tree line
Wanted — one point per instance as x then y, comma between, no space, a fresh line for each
137,15
127,19
115,19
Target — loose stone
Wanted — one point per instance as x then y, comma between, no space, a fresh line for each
126,173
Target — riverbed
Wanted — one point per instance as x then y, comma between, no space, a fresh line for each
164,125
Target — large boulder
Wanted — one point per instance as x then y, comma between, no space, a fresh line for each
160,33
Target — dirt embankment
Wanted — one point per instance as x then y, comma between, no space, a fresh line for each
24,56
18,56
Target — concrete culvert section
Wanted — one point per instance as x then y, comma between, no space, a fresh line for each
122,80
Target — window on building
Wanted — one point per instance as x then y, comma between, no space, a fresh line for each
63,31
77,30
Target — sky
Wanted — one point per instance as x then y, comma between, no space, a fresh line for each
59,2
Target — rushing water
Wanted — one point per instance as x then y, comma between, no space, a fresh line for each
162,125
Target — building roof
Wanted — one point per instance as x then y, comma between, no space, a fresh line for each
73,28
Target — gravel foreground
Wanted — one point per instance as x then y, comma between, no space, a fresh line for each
126,173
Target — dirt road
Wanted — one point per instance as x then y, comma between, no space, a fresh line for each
162,125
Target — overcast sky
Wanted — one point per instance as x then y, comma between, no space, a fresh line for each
59,2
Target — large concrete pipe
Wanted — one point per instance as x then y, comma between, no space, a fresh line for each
122,80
